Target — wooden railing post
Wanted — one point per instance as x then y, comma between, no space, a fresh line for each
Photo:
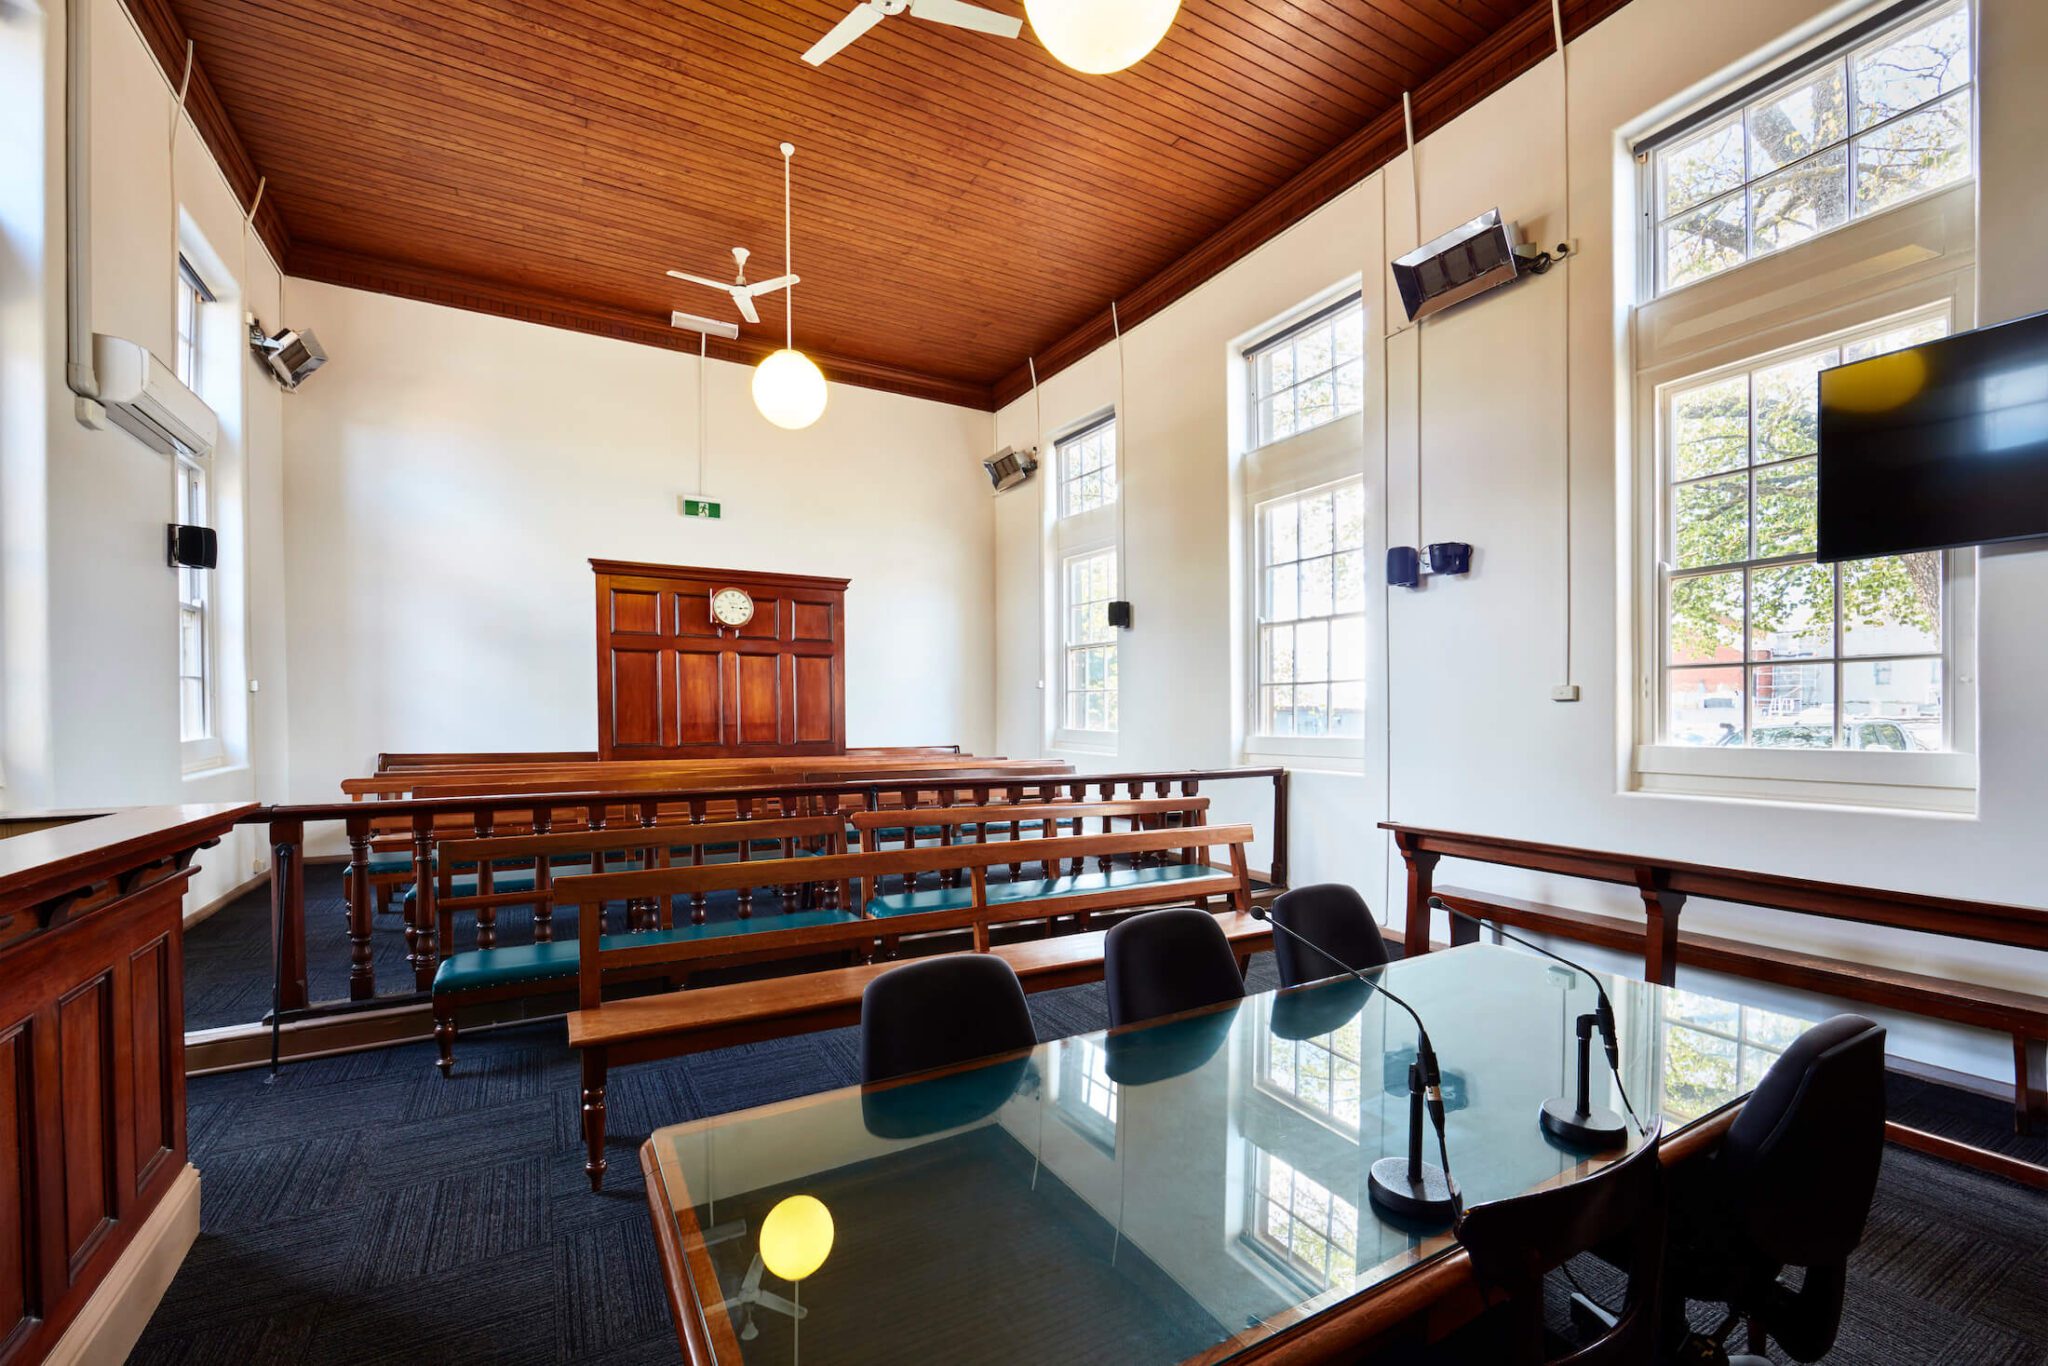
362,968
1660,942
1280,868
288,910
543,880
1421,872
426,954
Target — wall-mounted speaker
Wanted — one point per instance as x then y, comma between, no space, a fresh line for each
192,547
1120,615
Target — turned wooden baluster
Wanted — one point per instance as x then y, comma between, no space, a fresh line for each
744,809
595,819
1187,790
696,860
486,909
426,954
907,799
543,880
362,972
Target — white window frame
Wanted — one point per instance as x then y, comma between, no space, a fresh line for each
192,502
1789,76
1076,535
1328,454
1258,740
1079,454
1912,257
1070,646
1324,316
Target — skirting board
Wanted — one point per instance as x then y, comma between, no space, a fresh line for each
111,1323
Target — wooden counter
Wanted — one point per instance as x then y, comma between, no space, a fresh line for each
92,1049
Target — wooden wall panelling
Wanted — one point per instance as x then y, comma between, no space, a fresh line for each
674,684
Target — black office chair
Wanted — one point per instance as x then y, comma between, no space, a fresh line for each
1164,962
941,1011
1790,1186
1333,917
1620,1212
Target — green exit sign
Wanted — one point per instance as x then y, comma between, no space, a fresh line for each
700,507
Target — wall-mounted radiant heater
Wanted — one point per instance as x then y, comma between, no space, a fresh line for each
1469,260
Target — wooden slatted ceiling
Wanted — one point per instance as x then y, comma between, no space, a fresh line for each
962,201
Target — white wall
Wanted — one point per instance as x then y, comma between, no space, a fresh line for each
91,606
1472,740
451,474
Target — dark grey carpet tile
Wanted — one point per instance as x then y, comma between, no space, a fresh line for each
1983,1120
502,1312
514,1074
286,1336
1944,1263
616,1305
454,1225
250,1187
2017,1302
1982,1345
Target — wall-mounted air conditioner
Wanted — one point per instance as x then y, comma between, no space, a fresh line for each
146,399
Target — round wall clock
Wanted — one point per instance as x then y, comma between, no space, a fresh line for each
732,607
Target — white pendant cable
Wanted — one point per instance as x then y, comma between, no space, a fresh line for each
1123,549
1038,529
703,408
788,294
1564,83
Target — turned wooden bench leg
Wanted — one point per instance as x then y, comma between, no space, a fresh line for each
2030,1085
444,1034
593,1116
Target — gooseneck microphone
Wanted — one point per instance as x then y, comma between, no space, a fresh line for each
1576,1120
1405,1186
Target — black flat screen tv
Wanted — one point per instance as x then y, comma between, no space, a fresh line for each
1936,446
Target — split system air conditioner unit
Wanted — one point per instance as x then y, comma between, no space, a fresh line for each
145,398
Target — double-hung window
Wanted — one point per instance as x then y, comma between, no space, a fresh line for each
1764,672
192,506
1856,132
1304,390
1085,536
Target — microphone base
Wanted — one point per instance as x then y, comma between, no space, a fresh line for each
1596,1130
1428,1199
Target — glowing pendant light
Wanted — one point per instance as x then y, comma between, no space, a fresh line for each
789,389
1100,36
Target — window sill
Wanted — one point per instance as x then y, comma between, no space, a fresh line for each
1097,744
1304,747
203,757
1940,784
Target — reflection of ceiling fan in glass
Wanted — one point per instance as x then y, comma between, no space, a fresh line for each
867,14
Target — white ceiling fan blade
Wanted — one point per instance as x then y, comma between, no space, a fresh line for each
770,286
700,280
960,14
862,18
745,299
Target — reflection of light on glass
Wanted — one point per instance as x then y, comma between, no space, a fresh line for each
1877,385
796,1237
1307,1226
2013,409
1098,1092
1321,1075
1714,1050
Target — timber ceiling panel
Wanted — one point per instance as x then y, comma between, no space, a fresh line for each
962,201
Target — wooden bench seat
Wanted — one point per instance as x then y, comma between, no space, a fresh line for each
2022,1016
520,964
676,1024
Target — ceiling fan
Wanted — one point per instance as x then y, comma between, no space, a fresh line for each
868,13
743,294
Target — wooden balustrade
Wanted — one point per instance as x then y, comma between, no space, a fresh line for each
419,824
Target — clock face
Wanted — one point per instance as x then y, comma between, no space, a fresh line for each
731,607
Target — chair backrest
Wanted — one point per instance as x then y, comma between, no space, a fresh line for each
940,1011
1334,918
1517,1241
1800,1162
1164,962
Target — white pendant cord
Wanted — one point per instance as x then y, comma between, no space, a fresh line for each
171,164
1123,550
1415,203
789,292
1564,83
1038,444
703,408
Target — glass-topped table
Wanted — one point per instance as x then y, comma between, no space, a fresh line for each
1172,1192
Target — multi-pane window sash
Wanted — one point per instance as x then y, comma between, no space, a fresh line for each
1762,646
195,687
1311,617
1087,468
1309,1227
1311,374
1856,133
1090,692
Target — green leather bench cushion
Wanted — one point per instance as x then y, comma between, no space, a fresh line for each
540,962
932,832
1035,889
